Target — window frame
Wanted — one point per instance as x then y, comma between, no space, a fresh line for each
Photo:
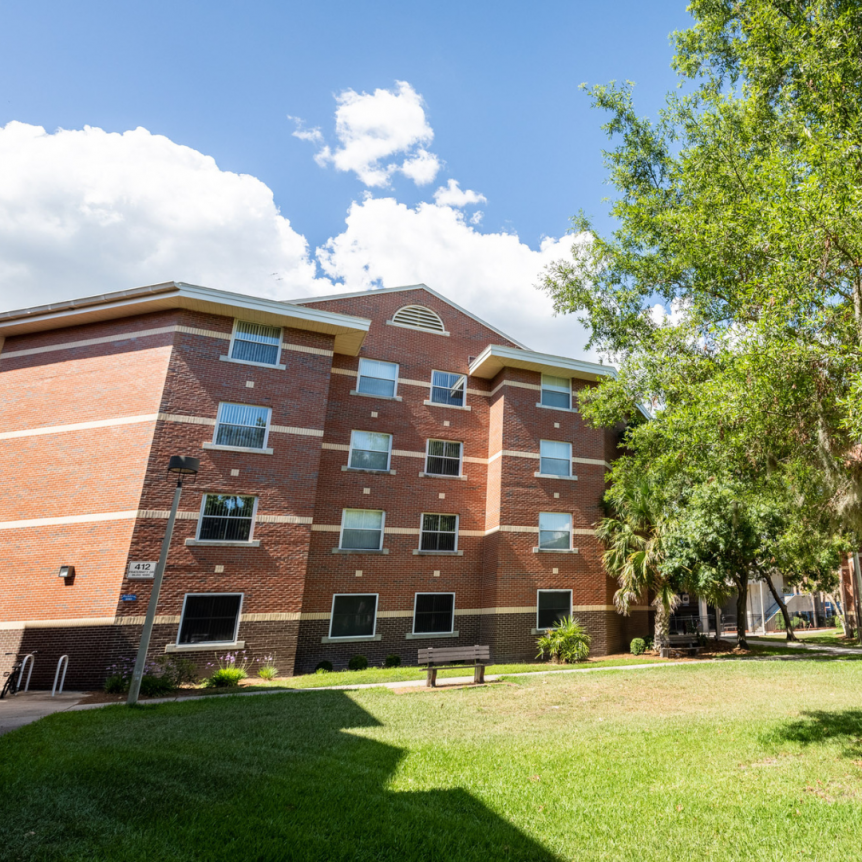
542,392
210,643
351,447
341,534
232,358
250,538
568,460
372,394
353,637
460,443
463,377
416,602
437,532
548,590
571,531
242,448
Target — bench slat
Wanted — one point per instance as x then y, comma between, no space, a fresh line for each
446,654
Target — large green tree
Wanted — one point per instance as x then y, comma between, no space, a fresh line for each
730,292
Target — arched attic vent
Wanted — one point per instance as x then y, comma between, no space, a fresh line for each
418,317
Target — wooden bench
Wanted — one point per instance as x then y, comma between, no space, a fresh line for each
441,659
685,643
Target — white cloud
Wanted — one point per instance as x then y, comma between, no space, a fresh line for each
388,244
372,128
660,314
82,212
451,195
86,212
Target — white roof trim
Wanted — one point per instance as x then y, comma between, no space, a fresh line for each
347,329
407,287
496,356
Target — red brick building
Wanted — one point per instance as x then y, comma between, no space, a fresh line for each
379,472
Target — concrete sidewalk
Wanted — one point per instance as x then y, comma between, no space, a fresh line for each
19,709
802,645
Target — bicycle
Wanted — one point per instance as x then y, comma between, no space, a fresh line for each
13,677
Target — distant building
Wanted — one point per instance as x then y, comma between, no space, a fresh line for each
380,472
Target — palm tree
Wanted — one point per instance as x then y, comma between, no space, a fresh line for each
634,553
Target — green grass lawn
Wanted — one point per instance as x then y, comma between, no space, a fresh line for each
405,674
739,760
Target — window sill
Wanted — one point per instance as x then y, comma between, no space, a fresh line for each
554,551
450,406
540,631
358,551
361,639
438,553
378,397
417,328
248,449
215,646
365,470
278,367
560,409
418,636
441,476
204,543
555,476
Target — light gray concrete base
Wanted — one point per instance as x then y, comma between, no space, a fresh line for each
20,709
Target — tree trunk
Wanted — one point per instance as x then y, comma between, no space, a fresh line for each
788,628
742,610
838,614
662,629
717,623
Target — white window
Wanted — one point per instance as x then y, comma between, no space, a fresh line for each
377,378
353,616
253,342
210,618
439,533
552,605
443,458
434,613
369,450
555,458
448,388
242,425
226,518
555,531
362,529
556,392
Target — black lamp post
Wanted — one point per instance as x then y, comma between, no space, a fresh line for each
179,466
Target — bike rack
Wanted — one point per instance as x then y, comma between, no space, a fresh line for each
29,673
65,667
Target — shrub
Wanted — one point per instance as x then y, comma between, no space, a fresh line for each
648,642
393,660
638,646
566,642
231,669
323,667
162,676
358,662
268,670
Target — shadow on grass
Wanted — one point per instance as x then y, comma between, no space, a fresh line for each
266,778
816,727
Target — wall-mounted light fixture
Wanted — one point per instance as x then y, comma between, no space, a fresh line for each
66,572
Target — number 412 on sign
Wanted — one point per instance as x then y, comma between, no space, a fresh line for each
142,570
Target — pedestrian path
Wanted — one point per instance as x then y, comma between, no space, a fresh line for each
802,645
19,709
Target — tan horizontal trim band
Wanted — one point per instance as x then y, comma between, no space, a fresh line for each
81,426
301,348
83,622
131,514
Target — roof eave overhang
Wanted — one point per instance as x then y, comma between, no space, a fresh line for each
496,357
348,331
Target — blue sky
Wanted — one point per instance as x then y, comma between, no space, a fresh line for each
499,112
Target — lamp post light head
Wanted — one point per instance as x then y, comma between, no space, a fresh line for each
183,465
66,572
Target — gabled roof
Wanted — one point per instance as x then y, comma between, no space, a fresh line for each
495,357
405,288
349,331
